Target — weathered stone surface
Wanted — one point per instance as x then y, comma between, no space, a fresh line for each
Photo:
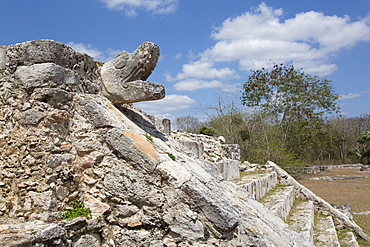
2,58
45,199
41,53
210,203
325,233
258,184
140,153
225,157
302,219
31,117
45,75
98,208
88,241
124,77
55,160
39,233
196,148
185,222
100,113
281,201
229,169
56,97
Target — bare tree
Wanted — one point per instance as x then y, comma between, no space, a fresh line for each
188,123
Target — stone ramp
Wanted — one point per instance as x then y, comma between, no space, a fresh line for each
280,201
325,234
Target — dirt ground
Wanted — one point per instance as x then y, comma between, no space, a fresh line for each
354,191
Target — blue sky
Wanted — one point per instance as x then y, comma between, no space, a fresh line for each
210,46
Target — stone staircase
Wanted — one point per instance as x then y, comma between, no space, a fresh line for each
301,210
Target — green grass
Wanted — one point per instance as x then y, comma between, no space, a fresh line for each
342,237
245,173
271,192
294,209
149,137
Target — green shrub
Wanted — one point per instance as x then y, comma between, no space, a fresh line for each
171,156
77,211
206,131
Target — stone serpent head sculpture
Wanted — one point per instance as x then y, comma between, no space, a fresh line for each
124,77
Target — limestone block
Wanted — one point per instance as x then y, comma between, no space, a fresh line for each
281,201
44,51
302,219
229,169
124,77
133,148
101,113
55,160
258,184
52,231
97,207
44,199
31,117
53,96
88,240
174,172
127,210
161,124
186,226
61,192
232,151
127,184
39,52
196,148
211,203
45,75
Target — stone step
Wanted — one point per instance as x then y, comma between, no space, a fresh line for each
301,219
279,200
325,233
349,240
258,185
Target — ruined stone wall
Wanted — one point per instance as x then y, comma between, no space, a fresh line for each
225,157
63,140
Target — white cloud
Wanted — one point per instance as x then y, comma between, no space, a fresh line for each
95,53
309,39
172,102
204,69
195,84
88,49
261,37
130,7
350,96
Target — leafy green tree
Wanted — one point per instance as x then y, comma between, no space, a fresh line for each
289,95
296,104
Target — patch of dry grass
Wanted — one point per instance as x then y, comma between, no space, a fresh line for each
354,191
